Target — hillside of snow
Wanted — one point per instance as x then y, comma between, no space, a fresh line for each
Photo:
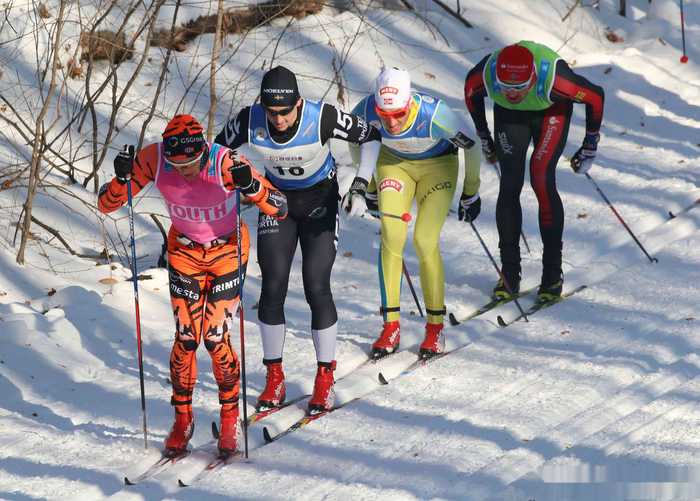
595,398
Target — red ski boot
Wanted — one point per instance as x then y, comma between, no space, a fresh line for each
181,432
274,393
322,398
434,341
228,431
388,341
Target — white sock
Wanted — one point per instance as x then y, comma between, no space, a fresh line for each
272,340
324,342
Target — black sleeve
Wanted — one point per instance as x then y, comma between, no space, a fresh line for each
235,132
569,86
336,124
474,95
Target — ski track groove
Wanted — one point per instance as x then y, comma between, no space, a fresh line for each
520,461
574,429
596,449
575,421
613,408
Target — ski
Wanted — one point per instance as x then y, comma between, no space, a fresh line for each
165,462
262,414
387,362
671,215
308,418
420,362
494,303
540,305
216,463
160,465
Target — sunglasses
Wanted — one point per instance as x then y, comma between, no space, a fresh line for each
185,163
516,87
283,112
395,114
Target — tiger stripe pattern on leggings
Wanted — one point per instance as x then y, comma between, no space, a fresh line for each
204,293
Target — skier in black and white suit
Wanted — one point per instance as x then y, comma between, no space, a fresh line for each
289,137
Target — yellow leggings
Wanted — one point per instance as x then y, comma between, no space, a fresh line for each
432,183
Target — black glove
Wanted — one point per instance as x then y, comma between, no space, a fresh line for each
354,200
582,160
279,200
461,140
242,174
469,207
488,148
124,164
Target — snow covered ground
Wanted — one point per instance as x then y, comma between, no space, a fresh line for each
595,398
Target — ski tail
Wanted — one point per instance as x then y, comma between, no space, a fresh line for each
158,466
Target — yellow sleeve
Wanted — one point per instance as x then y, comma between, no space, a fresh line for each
472,170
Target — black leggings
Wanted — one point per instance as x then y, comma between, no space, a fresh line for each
313,222
514,130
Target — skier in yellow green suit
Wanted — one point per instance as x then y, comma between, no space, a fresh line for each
418,160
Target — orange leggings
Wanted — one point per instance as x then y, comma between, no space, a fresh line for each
204,293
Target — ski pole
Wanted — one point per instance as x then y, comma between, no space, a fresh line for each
413,291
240,322
500,273
135,278
406,217
684,57
497,167
619,218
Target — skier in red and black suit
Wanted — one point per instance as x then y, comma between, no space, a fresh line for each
533,90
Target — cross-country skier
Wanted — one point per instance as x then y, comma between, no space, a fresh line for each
420,139
197,180
533,90
289,136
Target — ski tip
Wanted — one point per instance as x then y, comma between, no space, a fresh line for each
180,483
453,320
128,482
266,435
501,322
214,430
382,379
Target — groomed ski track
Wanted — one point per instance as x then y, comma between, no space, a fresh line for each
565,426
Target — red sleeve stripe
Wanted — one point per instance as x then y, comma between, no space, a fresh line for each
474,87
565,88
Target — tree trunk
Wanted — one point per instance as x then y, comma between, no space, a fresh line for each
39,138
214,61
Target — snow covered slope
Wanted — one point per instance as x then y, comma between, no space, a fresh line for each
594,398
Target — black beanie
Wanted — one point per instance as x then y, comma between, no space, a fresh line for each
279,87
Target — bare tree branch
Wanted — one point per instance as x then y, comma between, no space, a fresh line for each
37,150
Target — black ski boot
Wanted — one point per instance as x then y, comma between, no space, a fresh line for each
550,286
504,291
